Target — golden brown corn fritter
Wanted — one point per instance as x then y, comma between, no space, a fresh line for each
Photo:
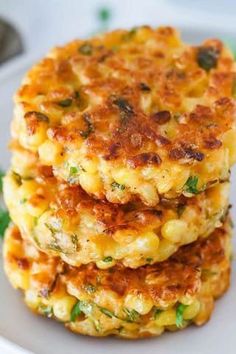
121,301
132,114
63,220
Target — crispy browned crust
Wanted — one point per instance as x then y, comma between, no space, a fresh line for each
139,70
63,212
165,282
93,92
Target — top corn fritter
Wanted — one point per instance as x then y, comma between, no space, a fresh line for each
132,114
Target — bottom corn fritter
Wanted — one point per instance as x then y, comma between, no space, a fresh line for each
121,301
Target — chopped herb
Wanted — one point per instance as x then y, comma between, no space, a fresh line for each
1,180
116,185
46,310
107,312
207,58
107,259
23,200
149,259
179,315
65,103
90,288
73,170
86,49
4,221
131,315
80,307
54,247
90,129
75,312
157,313
126,110
97,325
74,239
191,185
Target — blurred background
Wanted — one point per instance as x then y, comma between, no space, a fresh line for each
37,25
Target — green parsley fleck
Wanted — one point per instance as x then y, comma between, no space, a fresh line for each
157,312
4,221
46,310
80,307
149,259
73,170
179,315
116,185
108,259
107,312
90,288
75,312
67,102
86,49
131,315
191,185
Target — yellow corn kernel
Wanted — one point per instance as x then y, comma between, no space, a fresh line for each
50,153
140,303
89,165
192,310
166,318
105,265
32,299
149,194
174,230
19,279
62,307
27,189
32,141
127,177
146,244
164,181
91,183
166,248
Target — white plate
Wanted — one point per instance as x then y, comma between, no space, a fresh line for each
23,332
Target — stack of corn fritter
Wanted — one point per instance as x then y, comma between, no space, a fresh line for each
119,182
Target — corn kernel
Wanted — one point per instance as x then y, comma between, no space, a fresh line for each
174,230
50,153
62,307
140,303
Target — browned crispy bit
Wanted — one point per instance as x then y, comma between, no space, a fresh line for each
33,119
144,159
161,117
212,143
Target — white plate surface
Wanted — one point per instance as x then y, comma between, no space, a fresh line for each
23,332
